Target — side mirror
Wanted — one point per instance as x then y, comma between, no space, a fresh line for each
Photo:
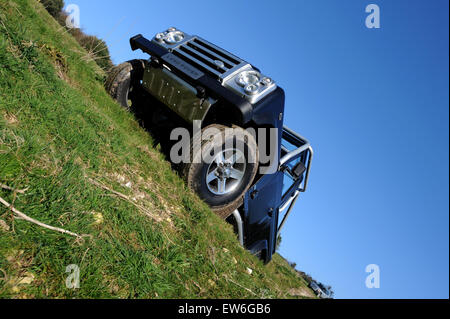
298,169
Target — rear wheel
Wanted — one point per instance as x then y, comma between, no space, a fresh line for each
124,83
223,167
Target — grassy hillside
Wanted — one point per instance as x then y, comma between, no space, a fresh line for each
72,150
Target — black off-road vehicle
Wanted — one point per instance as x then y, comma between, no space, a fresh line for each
225,105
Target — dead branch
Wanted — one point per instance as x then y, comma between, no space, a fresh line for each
21,191
230,280
125,197
34,221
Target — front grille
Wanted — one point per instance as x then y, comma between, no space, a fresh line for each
209,58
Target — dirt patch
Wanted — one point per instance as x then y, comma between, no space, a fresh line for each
10,118
19,263
301,292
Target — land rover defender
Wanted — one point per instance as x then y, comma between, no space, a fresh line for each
234,114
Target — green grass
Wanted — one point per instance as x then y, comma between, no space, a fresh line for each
58,128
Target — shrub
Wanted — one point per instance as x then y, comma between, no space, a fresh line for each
98,50
53,7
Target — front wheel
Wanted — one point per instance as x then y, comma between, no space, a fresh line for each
223,165
124,83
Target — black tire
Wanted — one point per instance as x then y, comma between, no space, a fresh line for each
240,175
124,83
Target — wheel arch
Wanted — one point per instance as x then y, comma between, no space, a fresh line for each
225,114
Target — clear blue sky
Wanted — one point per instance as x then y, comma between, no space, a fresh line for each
373,102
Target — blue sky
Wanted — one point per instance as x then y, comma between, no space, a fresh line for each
373,102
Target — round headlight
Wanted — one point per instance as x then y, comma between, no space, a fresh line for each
160,37
251,89
173,37
248,77
267,81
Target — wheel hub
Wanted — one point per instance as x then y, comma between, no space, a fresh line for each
226,171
